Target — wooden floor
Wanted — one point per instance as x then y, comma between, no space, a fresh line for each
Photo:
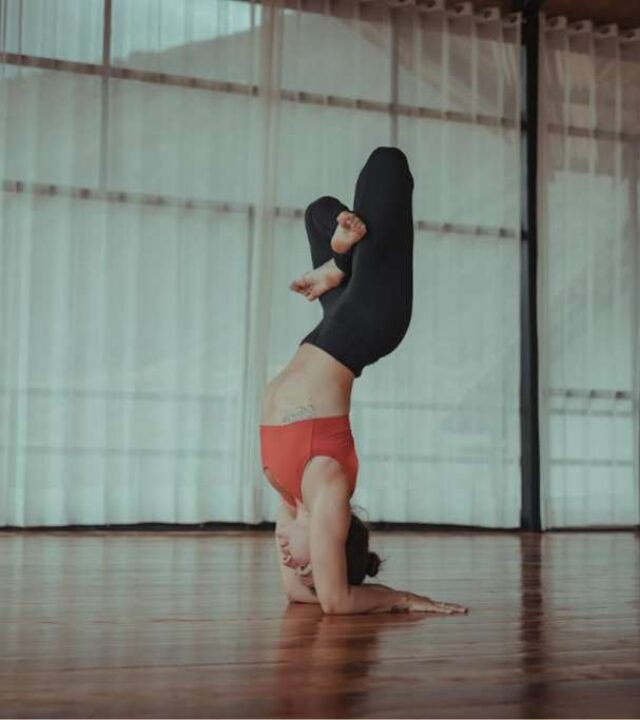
195,625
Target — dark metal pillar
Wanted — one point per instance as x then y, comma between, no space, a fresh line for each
394,21
104,104
529,407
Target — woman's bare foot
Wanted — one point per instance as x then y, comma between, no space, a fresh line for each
316,282
349,230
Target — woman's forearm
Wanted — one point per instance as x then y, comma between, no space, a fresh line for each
302,594
369,598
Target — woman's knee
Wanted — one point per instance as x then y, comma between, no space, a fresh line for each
390,154
324,204
322,209
390,159
390,150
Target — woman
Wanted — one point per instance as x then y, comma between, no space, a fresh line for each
363,277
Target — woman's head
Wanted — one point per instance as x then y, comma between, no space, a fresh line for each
360,561
294,544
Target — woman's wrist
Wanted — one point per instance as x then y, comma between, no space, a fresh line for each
400,602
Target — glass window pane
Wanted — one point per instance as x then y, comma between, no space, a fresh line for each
60,29
206,39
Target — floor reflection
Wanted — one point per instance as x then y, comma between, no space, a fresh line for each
532,627
325,660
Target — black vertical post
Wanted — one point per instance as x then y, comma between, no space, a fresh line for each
631,154
104,103
395,65
529,409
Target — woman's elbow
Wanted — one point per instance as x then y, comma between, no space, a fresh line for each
293,597
334,605
331,609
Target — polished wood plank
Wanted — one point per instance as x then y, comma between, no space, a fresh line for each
194,624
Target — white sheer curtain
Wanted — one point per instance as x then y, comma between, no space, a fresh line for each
151,220
589,270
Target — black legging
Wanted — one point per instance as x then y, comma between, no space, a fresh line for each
368,314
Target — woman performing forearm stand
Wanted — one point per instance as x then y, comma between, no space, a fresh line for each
363,277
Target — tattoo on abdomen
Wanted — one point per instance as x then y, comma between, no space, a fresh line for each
301,413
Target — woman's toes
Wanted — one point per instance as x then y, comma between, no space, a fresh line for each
351,222
316,282
300,285
347,219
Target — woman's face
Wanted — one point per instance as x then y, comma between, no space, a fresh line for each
293,538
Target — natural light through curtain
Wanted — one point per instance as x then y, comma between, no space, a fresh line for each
151,221
589,271
436,424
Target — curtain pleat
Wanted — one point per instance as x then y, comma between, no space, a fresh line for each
589,132
151,220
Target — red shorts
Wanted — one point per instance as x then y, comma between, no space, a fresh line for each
286,450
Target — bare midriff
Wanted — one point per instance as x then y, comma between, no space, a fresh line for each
313,384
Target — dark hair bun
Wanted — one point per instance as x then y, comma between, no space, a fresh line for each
373,564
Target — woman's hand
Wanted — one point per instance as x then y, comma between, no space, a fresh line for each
285,553
304,573
421,603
